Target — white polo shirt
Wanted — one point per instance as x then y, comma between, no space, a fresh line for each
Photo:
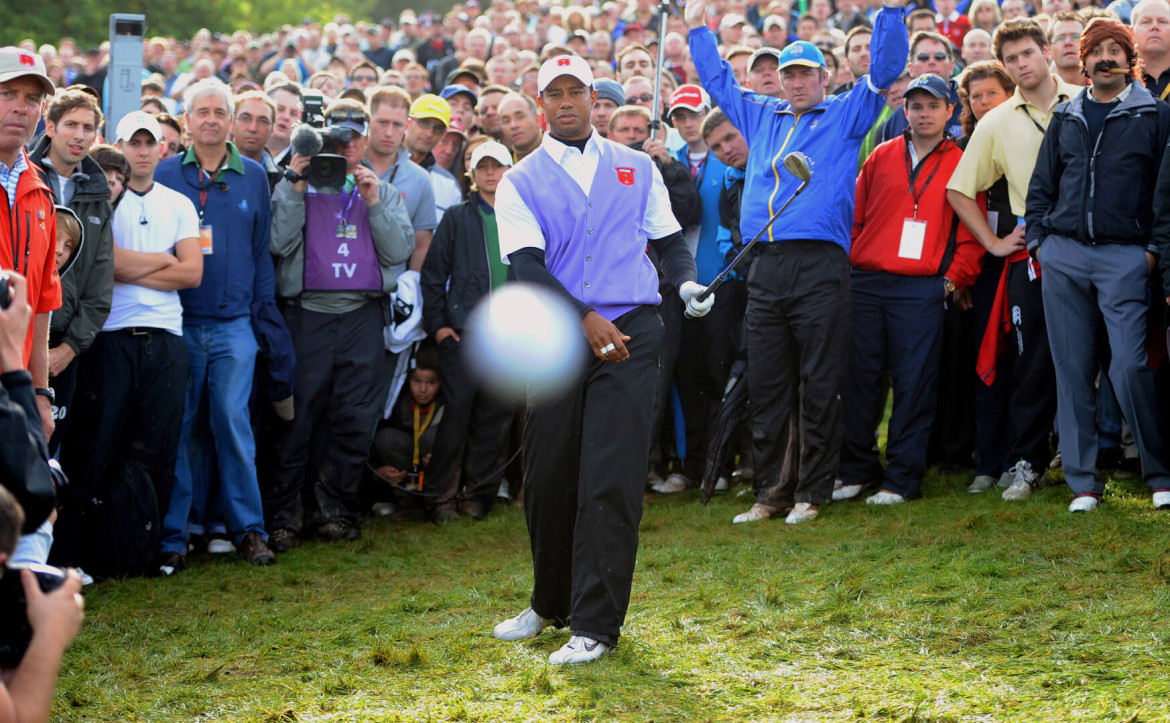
152,222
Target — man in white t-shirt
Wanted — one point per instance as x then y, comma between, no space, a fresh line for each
131,388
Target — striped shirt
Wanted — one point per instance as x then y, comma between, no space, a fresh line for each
10,177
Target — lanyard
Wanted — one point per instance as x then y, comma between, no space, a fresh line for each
912,173
1028,113
702,169
1165,92
348,198
203,187
419,430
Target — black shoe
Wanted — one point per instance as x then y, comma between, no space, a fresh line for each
170,563
1110,458
253,549
338,531
196,544
444,513
283,540
474,509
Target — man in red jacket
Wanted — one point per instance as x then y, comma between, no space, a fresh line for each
909,253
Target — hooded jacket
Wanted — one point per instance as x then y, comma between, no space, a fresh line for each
1099,190
87,281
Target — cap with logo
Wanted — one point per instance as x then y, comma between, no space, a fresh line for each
455,89
691,97
136,121
803,53
491,149
555,67
773,21
431,106
17,63
932,84
730,20
769,52
457,127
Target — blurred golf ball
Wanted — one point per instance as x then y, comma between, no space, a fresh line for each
526,342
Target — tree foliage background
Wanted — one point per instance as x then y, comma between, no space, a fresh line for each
46,21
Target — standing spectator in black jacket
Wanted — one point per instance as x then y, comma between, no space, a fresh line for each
1089,220
463,266
77,181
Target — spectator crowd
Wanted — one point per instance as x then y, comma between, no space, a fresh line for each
249,299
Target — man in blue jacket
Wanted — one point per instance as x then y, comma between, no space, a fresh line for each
798,292
230,194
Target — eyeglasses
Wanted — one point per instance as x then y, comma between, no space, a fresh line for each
1066,36
248,119
924,57
645,98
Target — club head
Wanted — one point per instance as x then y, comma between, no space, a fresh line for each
797,164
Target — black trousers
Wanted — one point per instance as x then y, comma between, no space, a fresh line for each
704,362
798,321
1032,402
993,423
128,405
663,450
472,442
585,458
341,385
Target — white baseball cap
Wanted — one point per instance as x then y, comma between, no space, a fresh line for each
555,67
491,149
136,121
18,63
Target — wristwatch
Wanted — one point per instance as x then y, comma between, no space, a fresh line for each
46,392
949,285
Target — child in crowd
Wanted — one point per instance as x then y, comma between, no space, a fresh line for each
116,167
68,236
402,445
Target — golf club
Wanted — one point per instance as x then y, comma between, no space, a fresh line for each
795,163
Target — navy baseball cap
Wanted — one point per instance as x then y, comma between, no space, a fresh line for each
803,53
610,90
932,84
455,89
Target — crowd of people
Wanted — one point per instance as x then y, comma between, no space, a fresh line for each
235,343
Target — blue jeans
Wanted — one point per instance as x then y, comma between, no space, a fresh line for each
223,359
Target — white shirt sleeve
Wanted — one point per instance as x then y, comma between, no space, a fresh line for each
187,218
515,223
659,221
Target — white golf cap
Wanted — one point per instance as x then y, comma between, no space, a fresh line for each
139,120
555,67
18,63
491,149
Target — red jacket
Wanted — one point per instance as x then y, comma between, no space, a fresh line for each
30,227
955,30
884,202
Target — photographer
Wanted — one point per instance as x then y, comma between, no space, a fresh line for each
336,249
26,692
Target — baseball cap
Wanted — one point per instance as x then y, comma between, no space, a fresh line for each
461,72
730,20
404,54
691,97
455,89
491,149
355,121
16,63
457,127
431,106
773,21
801,52
632,27
555,67
770,52
136,121
932,84
608,89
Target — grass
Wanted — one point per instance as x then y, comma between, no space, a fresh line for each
952,608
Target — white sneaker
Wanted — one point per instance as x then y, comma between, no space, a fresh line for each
755,514
522,627
722,485
1023,482
504,493
802,512
579,649
845,492
981,484
220,546
885,498
1083,503
1162,500
383,509
672,484
1005,480
652,480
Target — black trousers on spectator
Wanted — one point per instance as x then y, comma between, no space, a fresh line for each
64,385
128,405
341,385
704,362
585,458
993,422
798,321
472,442
1032,403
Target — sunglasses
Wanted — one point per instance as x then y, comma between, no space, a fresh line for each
339,116
645,98
923,57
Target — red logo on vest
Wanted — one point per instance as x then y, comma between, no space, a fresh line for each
625,176
562,62
27,60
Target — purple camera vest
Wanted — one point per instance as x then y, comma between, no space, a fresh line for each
594,245
339,250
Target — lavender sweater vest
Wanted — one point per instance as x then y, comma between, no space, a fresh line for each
594,244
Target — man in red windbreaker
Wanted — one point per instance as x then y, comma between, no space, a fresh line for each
910,252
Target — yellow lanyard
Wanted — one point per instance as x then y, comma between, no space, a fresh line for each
418,431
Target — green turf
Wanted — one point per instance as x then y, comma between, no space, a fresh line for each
951,608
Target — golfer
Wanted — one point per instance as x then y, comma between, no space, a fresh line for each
575,216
